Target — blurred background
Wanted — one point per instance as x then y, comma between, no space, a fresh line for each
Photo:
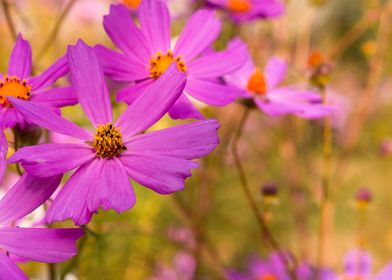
209,227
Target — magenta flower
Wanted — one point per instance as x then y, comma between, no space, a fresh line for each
38,244
183,268
159,160
147,52
19,83
246,10
263,88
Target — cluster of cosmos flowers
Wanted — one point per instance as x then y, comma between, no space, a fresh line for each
160,77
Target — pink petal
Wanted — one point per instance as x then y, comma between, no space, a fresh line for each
44,116
89,83
3,154
132,92
162,174
112,188
41,244
46,160
200,32
154,102
275,71
211,92
188,141
155,24
20,60
51,75
184,109
9,270
120,67
57,97
26,195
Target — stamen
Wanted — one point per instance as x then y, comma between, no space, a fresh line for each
108,141
160,62
13,86
239,6
257,83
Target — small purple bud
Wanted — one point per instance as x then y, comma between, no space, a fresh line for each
269,189
363,195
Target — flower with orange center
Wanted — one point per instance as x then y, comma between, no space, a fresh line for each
267,276
257,83
160,62
239,6
315,60
132,4
13,86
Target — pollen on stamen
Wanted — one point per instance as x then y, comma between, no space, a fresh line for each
160,62
108,141
257,83
15,87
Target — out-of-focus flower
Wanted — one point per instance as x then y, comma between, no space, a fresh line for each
245,10
320,69
147,53
263,88
184,266
358,265
160,160
19,83
38,244
269,193
386,147
183,236
363,197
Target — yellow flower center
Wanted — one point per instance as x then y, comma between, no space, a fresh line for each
267,276
239,6
133,4
13,86
160,62
108,141
257,83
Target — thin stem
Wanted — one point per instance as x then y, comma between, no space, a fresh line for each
266,233
7,13
325,185
16,147
56,28
52,271
90,231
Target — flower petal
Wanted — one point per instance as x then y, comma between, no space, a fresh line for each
89,83
124,33
51,75
112,188
26,195
120,67
212,93
154,102
57,97
184,109
3,154
219,63
20,60
71,202
385,273
9,270
44,116
199,33
188,141
162,174
155,24
41,244
275,71
46,160
132,92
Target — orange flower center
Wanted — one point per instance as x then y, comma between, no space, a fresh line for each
257,83
267,276
239,6
133,4
315,59
160,62
13,86
108,141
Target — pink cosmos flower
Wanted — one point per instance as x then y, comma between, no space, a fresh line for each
38,244
147,52
19,83
184,267
263,88
246,10
159,160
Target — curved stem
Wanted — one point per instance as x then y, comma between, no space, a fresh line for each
266,233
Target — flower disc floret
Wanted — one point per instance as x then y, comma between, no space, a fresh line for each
15,87
160,62
108,141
